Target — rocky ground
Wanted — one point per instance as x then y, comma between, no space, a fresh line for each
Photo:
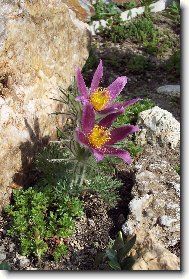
100,223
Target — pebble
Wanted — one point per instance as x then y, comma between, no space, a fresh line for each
23,261
91,222
171,90
11,247
2,257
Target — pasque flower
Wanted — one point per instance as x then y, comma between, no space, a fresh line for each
102,98
99,138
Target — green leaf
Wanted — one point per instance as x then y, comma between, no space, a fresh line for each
111,254
114,265
5,266
118,243
127,247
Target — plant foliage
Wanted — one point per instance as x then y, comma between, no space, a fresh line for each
117,253
131,113
40,217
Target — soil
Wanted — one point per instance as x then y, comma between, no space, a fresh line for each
100,223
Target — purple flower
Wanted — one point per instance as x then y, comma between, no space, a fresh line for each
102,98
98,138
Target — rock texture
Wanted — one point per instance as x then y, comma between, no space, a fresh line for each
158,126
41,43
171,90
155,213
83,8
153,256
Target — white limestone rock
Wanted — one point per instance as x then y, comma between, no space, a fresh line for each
158,126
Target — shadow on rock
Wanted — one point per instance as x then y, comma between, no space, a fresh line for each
28,175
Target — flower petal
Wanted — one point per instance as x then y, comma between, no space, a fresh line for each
88,117
123,154
131,102
81,138
97,77
117,86
118,106
81,84
120,133
98,155
109,119
110,109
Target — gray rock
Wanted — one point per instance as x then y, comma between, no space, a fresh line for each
158,126
2,257
24,262
11,247
2,253
171,90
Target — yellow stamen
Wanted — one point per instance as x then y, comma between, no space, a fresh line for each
100,98
98,136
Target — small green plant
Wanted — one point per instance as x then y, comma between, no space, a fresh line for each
131,113
106,186
115,30
57,169
117,253
59,251
141,30
128,5
173,12
172,65
134,149
37,217
177,168
104,11
137,64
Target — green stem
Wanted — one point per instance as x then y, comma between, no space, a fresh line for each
82,176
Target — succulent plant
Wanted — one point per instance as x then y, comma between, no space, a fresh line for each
117,254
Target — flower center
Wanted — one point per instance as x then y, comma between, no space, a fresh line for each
98,136
99,98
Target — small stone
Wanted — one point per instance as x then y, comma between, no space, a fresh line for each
2,256
2,248
91,222
11,247
171,90
24,262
